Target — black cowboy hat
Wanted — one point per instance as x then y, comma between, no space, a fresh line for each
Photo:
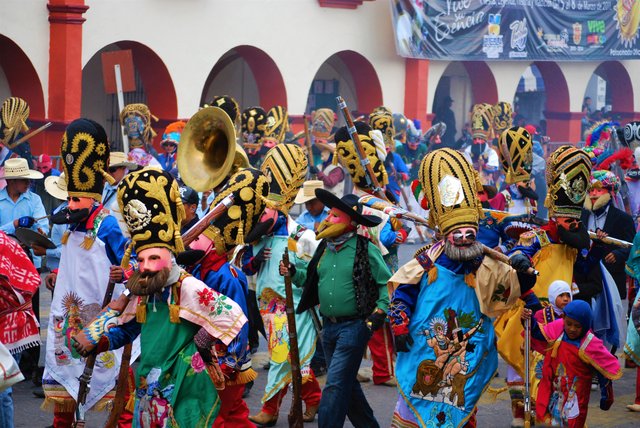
349,205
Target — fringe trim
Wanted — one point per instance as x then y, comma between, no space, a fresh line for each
23,347
65,237
244,377
131,404
67,405
432,275
87,242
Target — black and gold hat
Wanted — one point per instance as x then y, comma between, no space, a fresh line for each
136,120
285,166
502,117
14,113
85,158
151,206
254,121
451,186
250,188
229,105
322,122
568,177
346,149
382,119
516,154
277,124
482,121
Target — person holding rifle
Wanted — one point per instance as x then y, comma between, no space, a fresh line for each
92,248
347,277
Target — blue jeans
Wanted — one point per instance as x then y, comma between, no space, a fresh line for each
6,404
344,344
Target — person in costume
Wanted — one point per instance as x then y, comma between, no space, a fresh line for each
169,143
570,362
14,115
632,345
190,201
136,120
515,152
502,116
347,278
433,138
286,167
217,244
119,166
253,128
386,235
315,211
402,127
92,248
177,317
441,302
560,295
412,153
328,169
553,249
483,157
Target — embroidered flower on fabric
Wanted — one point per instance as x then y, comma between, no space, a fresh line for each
205,297
220,306
197,363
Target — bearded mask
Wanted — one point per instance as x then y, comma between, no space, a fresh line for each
461,244
337,223
573,233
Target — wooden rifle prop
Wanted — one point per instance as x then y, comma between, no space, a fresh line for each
527,378
121,388
295,414
611,241
394,211
85,377
404,196
16,143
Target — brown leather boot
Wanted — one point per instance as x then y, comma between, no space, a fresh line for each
310,414
263,419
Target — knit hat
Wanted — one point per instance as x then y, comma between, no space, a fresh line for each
285,165
85,158
568,175
382,119
136,119
172,133
502,117
602,179
482,121
580,311
451,186
516,154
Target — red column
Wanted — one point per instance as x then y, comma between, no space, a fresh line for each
564,126
416,76
65,65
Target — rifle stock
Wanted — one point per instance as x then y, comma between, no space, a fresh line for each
295,414
202,224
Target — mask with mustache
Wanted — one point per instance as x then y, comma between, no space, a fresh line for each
337,223
599,203
148,283
463,253
575,237
67,216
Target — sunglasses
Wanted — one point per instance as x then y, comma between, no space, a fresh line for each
73,198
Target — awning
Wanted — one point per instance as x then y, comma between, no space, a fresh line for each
531,80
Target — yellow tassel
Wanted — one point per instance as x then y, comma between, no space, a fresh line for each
432,275
495,392
131,403
65,237
292,245
87,242
240,236
470,280
174,313
334,161
141,311
126,258
109,179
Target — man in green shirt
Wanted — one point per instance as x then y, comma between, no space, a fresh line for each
347,277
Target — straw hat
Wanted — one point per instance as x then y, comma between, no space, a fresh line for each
119,159
308,191
56,186
18,168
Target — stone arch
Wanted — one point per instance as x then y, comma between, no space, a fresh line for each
18,77
619,89
154,87
557,110
249,75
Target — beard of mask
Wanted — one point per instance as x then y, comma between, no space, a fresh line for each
576,237
330,230
463,253
66,216
599,203
148,283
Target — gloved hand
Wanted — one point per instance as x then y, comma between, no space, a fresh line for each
262,256
26,221
313,170
376,320
403,342
520,262
606,395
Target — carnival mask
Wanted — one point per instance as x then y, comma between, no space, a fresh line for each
337,223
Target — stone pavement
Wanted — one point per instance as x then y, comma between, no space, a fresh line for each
491,413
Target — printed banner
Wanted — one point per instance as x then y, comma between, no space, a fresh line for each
547,30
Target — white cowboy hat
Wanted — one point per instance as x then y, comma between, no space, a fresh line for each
308,191
119,159
18,168
56,186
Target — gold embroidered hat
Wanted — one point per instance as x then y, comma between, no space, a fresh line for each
250,188
451,186
482,121
85,158
285,165
502,117
346,149
322,122
568,174
254,121
136,119
277,125
382,119
516,154
229,105
151,206
13,119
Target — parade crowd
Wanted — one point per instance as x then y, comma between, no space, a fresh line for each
165,268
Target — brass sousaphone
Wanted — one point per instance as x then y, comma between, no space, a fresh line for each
208,152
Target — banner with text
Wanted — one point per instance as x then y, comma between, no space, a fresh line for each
529,30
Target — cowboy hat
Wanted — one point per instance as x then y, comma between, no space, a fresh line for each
308,191
18,168
119,159
56,186
349,205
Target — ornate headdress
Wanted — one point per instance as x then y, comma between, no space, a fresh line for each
151,206
346,149
322,121
602,179
451,186
85,158
13,119
250,188
229,105
502,117
382,119
254,121
286,167
277,125
136,119
568,176
482,121
516,154
172,132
